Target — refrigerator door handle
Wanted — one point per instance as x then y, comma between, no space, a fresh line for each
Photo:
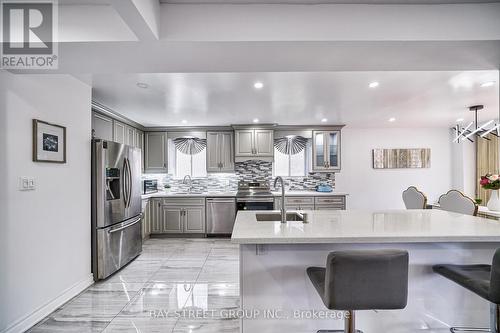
137,220
125,182
129,170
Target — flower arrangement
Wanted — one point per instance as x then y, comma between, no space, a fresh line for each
490,182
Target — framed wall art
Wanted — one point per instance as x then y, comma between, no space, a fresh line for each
49,142
401,158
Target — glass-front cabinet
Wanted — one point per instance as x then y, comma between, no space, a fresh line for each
326,151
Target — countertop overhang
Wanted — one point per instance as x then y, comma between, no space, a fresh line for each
362,226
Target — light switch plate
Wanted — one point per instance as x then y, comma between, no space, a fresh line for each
27,184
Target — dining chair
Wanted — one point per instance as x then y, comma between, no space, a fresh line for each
456,201
414,199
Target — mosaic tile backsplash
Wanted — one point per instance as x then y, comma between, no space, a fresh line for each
244,171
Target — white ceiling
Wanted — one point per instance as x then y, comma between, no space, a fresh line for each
416,99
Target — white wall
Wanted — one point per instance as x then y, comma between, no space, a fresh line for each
381,189
464,167
45,234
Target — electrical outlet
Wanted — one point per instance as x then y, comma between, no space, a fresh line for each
27,184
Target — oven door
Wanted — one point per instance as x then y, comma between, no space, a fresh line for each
255,203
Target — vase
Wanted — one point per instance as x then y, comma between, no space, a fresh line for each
494,202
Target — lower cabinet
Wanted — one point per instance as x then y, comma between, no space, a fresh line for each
155,215
194,221
146,219
178,216
334,202
330,203
172,220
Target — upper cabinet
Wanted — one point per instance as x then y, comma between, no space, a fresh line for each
130,136
254,142
139,139
326,151
107,128
119,132
102,127
220,152
155,152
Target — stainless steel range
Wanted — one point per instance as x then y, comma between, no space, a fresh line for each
254,195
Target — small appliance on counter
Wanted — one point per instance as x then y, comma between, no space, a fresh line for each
324,188
149,186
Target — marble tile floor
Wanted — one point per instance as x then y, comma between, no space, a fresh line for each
175,285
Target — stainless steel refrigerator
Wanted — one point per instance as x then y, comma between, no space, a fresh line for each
116,206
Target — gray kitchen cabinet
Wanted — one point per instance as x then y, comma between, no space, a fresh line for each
178,216
139,143
295,203
333,202
194,220
102,127
146,219
264,142
220,152
172,220
155,152
326,151
119,132
244,140
130,136
139,139
337,202
254,142
155,211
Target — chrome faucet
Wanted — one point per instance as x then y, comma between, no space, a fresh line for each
283,209
190,182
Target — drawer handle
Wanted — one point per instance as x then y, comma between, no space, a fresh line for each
125,226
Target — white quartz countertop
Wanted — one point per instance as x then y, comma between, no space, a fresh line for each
357,226
165,194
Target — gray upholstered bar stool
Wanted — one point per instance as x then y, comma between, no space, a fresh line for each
362,280
482,280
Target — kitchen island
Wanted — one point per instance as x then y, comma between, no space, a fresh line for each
277,293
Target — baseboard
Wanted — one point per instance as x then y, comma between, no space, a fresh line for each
31,319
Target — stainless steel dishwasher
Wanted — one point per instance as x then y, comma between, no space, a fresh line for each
221,213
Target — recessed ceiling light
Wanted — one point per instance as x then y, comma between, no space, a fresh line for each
487,84
324,120
142,85
258,85
256,120
459,120
184,121
392,119
374,84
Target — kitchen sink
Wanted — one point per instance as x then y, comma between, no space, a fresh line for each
276,217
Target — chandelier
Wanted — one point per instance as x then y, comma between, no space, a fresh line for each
474,130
